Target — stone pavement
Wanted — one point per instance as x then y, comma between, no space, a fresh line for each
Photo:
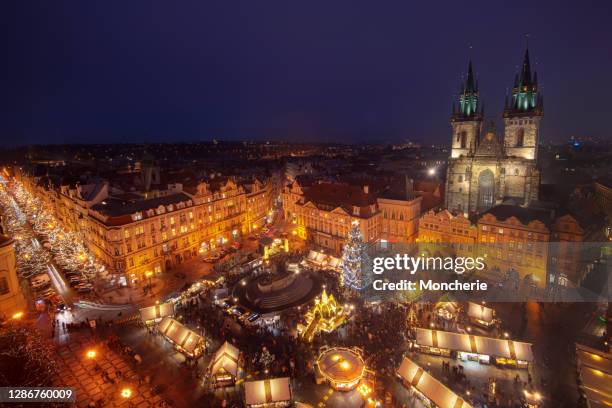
86,375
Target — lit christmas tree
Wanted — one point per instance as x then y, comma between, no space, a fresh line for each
354,257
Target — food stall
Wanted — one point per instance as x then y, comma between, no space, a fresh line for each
485,350
224,366
270,393
185,340
153,314
429,390
481,315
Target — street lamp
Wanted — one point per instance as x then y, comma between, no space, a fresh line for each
91,354
126,393
17,315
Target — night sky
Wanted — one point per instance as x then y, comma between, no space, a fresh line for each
345,71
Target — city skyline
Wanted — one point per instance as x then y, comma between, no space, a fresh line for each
338,74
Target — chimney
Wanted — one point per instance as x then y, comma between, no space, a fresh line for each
366,189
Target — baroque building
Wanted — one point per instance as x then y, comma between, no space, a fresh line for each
483,169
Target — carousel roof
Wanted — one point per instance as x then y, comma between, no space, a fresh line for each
595,370
341,365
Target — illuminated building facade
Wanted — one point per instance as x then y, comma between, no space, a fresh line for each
139,234
483,170
12,300
323,213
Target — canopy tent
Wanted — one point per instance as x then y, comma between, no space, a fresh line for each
480,313
185,339
267,392
474,344
224,364
321,259
156,312
414,376
595,373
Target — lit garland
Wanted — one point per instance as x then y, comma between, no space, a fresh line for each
67,248
354,257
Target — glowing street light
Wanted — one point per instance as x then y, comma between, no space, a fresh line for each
431,171
126,393
17,315
91,354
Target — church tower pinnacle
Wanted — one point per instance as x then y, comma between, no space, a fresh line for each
522,114
466,119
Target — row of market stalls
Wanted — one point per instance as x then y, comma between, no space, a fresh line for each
595,375
321,260
427,388
485,350
478,314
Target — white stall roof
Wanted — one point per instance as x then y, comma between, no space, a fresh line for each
480,312
156,311
595,367
475,344
267,391
225,360
180,335
427,385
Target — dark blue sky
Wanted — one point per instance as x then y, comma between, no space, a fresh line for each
112,71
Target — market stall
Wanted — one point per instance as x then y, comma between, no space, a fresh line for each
343,368
185,340
447,310
270,393
153,314
480,314
484,350
595,375
427,388
224,365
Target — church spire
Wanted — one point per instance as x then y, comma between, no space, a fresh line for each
469,103
525,98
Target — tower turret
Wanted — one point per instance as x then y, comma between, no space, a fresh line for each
466,119
522,114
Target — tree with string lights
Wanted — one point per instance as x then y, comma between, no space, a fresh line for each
354,257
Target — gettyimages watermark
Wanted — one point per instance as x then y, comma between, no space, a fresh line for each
507,272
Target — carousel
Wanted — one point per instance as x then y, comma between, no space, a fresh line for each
343,368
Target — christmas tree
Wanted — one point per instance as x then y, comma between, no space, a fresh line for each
354,258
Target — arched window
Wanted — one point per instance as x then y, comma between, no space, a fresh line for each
516,172
486,190
520,137
463,139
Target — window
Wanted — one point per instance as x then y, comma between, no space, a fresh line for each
4,288
520,137
126,233
460,179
